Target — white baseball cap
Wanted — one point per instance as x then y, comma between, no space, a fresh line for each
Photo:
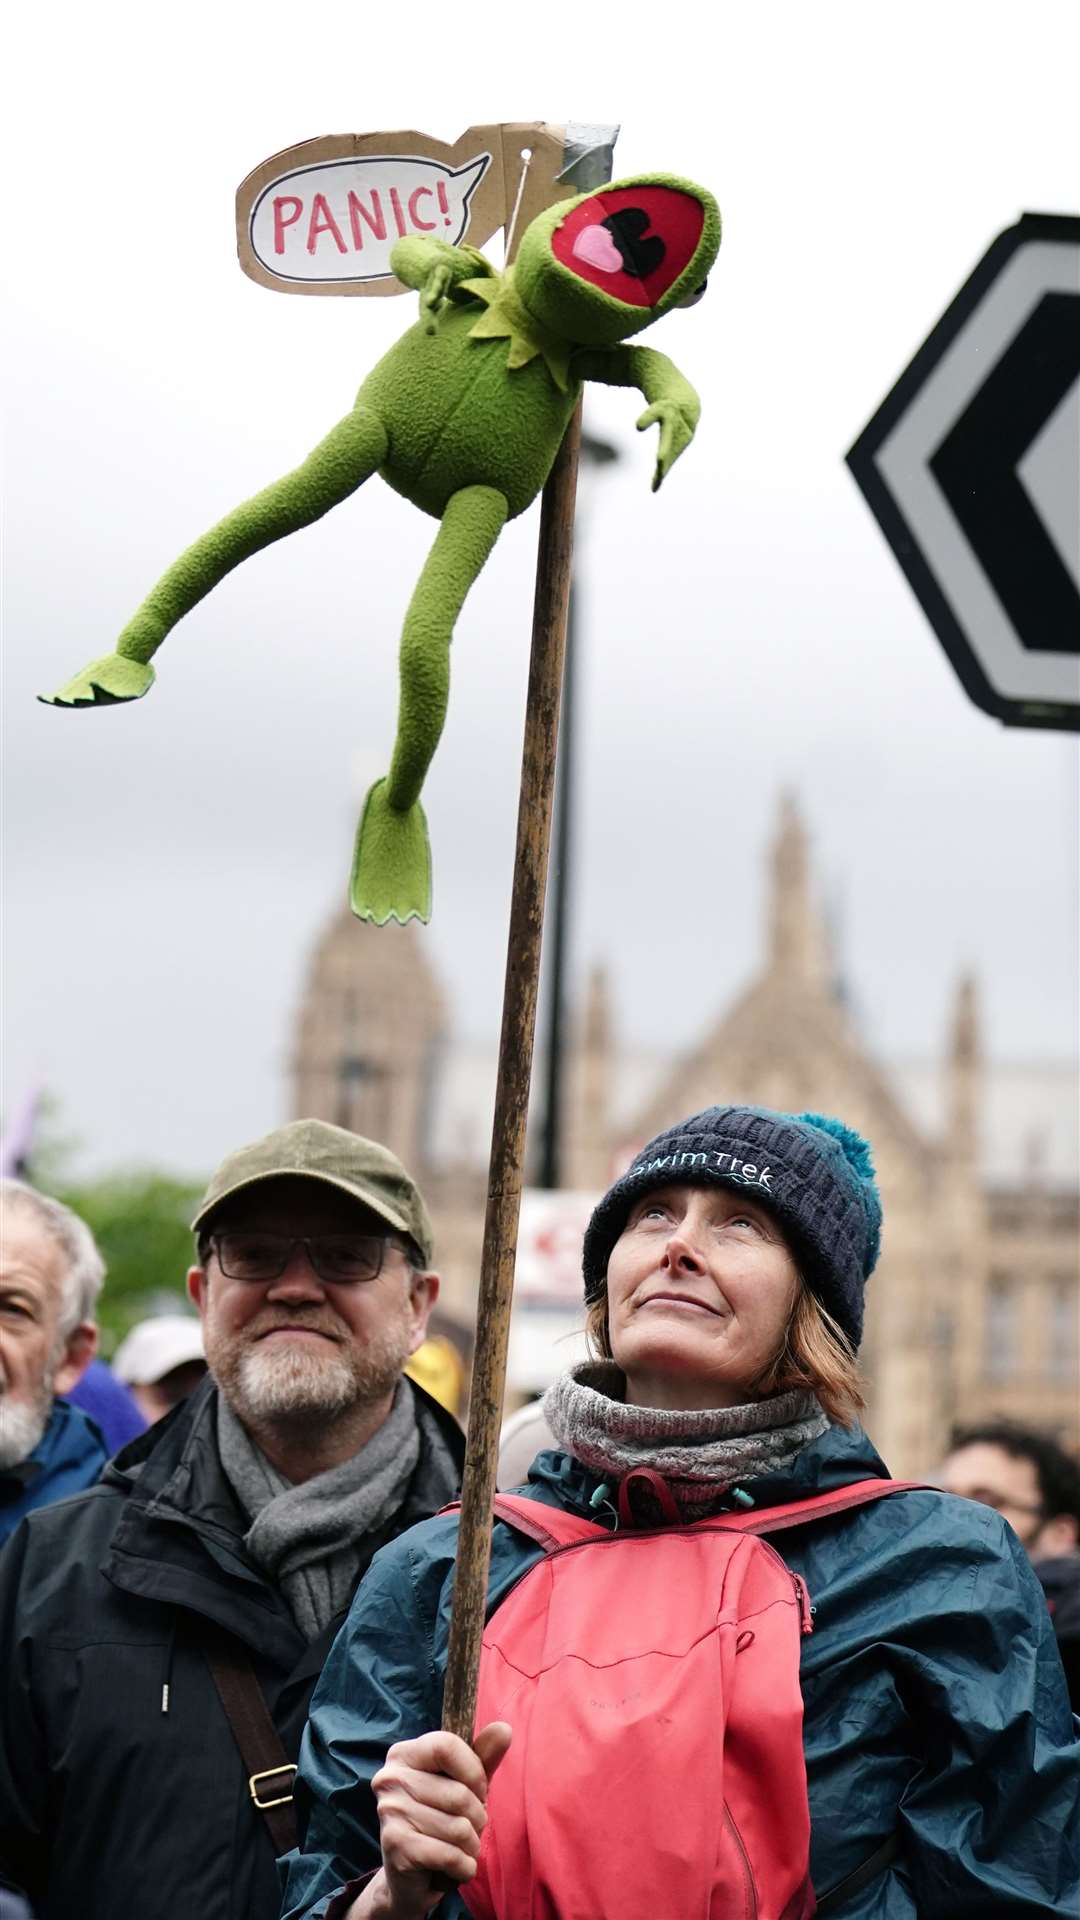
156,1346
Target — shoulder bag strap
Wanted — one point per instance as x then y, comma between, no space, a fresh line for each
269,1769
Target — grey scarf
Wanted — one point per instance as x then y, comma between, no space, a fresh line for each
307,1538
700,1455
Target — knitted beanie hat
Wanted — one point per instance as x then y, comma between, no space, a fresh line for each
814,1174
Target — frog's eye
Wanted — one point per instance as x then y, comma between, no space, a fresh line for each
692,299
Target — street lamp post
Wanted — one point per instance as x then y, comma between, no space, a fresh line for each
594,453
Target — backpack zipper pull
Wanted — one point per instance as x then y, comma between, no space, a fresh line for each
806,1611
602,1498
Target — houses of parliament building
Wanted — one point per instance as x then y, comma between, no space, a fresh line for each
974,1309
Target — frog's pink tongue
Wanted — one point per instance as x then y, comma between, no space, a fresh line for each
596,247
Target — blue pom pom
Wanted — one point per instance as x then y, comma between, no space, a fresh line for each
855,1149
856,1152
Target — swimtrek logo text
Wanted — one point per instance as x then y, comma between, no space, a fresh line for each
744,1171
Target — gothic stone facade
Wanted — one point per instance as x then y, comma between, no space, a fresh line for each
975,1305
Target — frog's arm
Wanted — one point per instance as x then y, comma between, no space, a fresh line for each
671,399
436,270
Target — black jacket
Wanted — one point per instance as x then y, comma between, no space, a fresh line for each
1060,1580
112,1805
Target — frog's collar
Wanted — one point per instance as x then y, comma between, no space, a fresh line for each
508,318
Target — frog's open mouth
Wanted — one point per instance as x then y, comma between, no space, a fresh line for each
633,242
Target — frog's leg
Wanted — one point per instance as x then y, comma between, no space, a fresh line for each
350,453
391,873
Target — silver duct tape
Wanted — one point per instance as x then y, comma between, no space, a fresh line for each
588,154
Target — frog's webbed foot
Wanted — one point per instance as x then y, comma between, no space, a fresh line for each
104,683
391,870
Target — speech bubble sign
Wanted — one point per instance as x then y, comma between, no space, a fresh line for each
323,216
338,221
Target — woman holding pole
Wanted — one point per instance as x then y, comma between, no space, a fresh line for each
730,1667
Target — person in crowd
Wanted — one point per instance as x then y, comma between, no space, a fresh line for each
439,1366
161,1634
50,1276
524,1434
642,1743
1034,1485
109,1404
162,1360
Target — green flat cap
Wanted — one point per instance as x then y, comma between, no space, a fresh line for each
315,1150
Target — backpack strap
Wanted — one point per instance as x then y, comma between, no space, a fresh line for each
869,1870
821,1506
553,1527
550,1527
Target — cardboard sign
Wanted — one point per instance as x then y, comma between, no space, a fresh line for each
323,216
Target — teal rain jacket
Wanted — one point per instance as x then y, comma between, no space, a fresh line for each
935,1703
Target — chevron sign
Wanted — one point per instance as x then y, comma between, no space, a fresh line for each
971,466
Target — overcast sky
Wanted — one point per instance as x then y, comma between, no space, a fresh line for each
168,863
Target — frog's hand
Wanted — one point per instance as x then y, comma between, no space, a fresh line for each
355,448
673,402
435,269
391,874
104,683
676,433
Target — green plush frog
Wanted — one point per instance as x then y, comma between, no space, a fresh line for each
464,416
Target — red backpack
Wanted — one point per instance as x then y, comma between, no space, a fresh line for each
652,1682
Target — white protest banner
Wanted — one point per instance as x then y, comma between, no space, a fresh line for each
550,1233
548,1316
323,216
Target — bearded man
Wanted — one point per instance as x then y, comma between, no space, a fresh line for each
50,1277
162,1634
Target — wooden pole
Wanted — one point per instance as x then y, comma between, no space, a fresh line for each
512,1087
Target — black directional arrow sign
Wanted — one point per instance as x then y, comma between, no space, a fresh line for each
971,467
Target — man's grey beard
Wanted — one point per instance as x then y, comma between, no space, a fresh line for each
270,1384
293,1385
21,1426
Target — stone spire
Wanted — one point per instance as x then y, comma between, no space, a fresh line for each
962,1076
798,941
369,1035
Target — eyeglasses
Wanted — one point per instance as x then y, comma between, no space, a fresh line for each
341,1258
1005,1504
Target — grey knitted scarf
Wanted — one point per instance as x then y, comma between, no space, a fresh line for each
700,1455
307,1538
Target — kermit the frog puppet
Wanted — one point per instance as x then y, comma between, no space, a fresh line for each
464,416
